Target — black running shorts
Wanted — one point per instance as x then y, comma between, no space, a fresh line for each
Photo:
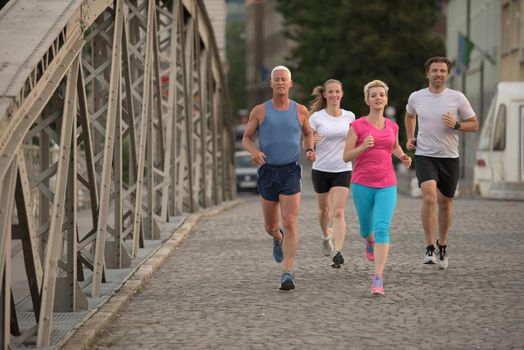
324,181
445,171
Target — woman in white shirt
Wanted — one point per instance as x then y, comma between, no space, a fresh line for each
331,175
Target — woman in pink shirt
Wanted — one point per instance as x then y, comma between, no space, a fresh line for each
370,142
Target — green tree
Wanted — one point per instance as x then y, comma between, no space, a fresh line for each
357,41
236,58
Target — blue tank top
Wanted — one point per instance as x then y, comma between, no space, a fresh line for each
279,135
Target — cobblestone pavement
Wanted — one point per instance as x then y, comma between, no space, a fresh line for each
220,288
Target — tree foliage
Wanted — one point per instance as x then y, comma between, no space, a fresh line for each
357,41
236,58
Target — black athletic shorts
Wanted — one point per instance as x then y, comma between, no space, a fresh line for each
324,181
445,171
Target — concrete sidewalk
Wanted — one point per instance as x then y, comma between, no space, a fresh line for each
220,288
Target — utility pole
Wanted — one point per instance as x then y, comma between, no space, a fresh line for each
463,139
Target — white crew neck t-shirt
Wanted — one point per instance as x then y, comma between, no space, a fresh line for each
434,139
333,132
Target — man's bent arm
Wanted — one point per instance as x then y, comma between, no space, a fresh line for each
410,122
469,125
307,130
249,134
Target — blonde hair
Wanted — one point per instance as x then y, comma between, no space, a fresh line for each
320,102
372,84
284,68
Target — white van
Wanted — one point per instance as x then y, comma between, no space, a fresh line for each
499,170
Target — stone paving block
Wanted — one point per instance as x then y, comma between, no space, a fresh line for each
219,288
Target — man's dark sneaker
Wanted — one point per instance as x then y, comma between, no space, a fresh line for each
429,256
338,260
287,281
442,258
278,253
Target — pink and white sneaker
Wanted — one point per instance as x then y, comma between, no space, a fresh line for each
377,285
370,249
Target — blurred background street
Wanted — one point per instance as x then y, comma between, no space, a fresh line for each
220,289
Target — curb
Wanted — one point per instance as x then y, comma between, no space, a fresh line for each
84,334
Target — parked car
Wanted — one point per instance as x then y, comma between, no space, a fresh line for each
246,172
499,172
239,133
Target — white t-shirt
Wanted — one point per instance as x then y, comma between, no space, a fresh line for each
434,139
333,132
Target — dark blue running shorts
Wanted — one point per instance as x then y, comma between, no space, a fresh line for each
274,180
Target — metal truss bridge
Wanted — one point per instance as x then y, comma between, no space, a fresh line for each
113,120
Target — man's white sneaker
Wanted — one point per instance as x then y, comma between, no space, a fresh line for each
327,246
429,256
442,256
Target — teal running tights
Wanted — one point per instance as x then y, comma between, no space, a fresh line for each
375,207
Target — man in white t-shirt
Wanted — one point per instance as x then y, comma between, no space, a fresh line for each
441,113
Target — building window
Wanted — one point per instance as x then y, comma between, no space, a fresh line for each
516,7
506,22
499,138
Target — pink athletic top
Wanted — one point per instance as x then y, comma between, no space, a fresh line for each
374,167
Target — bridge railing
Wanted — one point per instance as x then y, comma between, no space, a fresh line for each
123,101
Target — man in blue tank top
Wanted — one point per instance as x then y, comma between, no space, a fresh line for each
280,122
